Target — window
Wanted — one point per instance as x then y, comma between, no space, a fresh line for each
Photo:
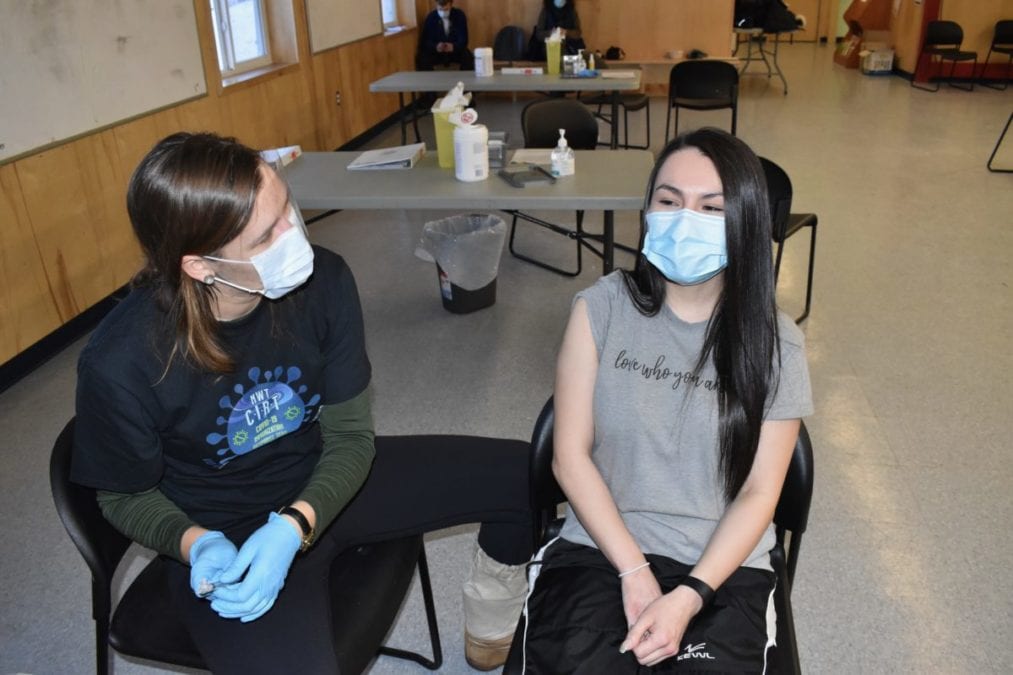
241,35
389,10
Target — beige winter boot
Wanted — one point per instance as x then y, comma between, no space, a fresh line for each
493,598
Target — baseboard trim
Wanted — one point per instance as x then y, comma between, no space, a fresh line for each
25,362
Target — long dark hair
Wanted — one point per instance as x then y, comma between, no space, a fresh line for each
191,194
742,336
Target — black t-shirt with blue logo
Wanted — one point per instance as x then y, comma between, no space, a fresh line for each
225,448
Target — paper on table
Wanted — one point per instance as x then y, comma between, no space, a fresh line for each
398,157
532,156
619,74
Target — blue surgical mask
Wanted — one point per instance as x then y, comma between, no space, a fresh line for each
686,246
444,13
284,266
560,4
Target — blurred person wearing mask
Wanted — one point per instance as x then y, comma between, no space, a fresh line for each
557,14
444,39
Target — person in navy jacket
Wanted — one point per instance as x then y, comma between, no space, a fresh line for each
444,38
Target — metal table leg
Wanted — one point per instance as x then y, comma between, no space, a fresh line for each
608,241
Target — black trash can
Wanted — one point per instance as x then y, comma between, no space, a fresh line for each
466,249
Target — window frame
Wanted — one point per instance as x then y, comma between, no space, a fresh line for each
228,67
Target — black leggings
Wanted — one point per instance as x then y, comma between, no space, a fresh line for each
417,484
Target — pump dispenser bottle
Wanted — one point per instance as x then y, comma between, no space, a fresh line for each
562,157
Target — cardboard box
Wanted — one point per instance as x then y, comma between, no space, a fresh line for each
877,61
847,52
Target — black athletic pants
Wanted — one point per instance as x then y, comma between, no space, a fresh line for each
417,484
427,60
576,621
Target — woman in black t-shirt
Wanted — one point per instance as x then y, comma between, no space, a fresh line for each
223,414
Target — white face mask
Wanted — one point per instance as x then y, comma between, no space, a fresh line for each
686,246
444,13
560,4
284,266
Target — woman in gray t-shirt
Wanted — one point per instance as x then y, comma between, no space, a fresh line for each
679,390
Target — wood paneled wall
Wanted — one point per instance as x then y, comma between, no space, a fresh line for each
976,17
65,241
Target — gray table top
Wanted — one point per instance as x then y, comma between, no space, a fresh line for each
606,180
444,80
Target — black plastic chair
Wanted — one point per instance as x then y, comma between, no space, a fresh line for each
541,121
1002,43
702,85
785,223
790,520
629,103
942,41
368,585
510,44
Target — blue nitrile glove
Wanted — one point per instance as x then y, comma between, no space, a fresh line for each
210,554
265,558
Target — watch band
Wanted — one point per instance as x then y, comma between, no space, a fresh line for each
702,588
308,533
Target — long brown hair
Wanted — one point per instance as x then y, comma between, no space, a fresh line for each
191,194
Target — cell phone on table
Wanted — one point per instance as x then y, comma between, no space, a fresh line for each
519,176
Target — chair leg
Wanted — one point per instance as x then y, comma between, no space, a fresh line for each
626,129
434,630
102,646
953,69
809,284
735,115
915,74
998,142
777,260
1005,82
668,119
578,234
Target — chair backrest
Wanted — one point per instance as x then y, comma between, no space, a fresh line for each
99,543
510,44
944,33
546,494
1003,36
541,121
779,193
791,516
703,79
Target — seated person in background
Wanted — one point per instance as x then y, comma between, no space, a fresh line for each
224,415
679,390
444,38
557,14
773,16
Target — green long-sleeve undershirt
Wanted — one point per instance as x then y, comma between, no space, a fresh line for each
152,520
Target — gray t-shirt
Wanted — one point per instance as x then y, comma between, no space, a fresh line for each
656,425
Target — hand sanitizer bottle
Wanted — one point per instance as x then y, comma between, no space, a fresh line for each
562,157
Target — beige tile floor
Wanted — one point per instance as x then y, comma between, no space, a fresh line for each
904,567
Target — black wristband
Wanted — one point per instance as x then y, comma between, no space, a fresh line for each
299,518
702,589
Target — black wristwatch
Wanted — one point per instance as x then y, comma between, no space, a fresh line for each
308,533
702,588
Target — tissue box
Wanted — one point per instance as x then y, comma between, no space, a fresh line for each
498,149
877,61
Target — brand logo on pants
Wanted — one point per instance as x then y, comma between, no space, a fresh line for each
695,652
